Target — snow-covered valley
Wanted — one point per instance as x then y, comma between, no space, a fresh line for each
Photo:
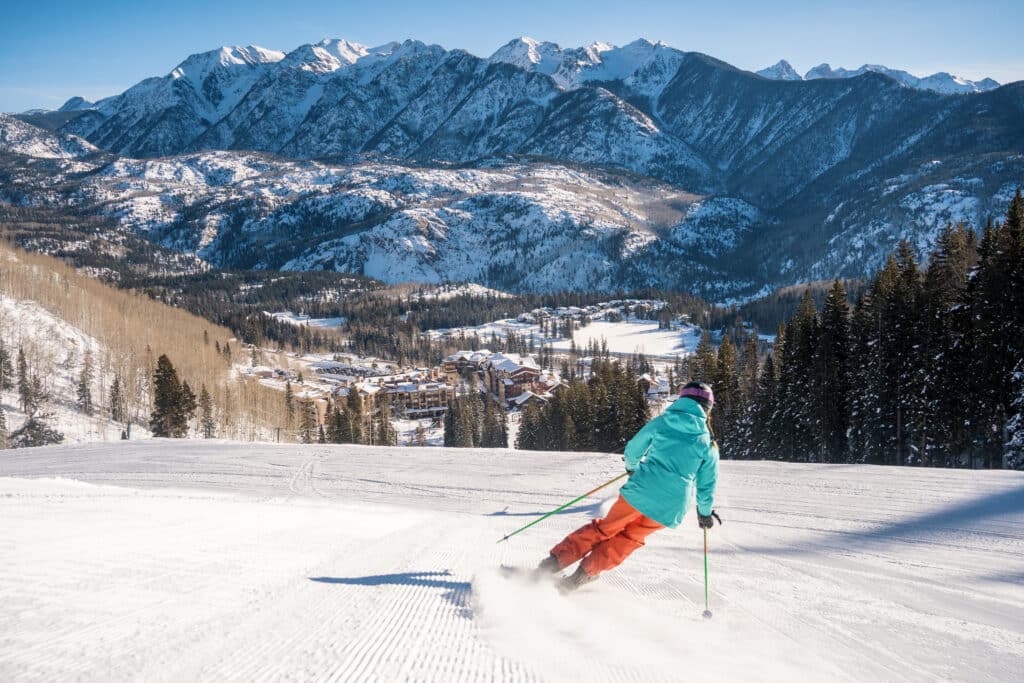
190,560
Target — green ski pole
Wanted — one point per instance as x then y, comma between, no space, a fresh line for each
559,509
707,610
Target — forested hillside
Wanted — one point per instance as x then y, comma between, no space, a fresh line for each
124,334
925,368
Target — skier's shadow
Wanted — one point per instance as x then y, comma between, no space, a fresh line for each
591,509
455,592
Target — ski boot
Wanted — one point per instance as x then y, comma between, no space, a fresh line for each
548,567
575,580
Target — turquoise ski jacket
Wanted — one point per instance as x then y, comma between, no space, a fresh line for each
671,454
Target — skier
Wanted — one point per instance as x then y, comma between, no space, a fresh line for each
664,460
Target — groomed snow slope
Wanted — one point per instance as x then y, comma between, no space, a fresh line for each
217,561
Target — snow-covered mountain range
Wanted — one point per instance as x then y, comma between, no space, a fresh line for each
438,161
942,82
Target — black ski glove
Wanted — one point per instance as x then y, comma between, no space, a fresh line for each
708,521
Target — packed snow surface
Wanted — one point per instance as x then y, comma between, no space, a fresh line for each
210,561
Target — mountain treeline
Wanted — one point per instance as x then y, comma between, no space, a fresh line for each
926,368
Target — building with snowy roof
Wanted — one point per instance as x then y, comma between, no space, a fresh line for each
507,375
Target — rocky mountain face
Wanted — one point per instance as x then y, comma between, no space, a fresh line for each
21,138
780,71
784,178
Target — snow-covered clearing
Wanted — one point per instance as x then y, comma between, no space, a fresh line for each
212,561
636,336
300,319
624,337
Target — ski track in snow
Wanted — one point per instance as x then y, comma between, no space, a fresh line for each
214,561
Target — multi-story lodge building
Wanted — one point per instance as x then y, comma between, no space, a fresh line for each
454,366
406,397
507,375
415,400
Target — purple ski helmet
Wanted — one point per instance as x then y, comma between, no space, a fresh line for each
699,392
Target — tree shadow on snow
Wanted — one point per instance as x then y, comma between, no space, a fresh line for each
960,517
455,592
1011,577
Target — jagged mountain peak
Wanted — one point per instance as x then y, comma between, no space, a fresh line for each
823,70
528,53
781,71
200,65
77,103
330,54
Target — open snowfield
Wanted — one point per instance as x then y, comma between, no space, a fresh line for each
209,561
623,338
636,336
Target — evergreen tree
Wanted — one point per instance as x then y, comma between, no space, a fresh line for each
581,409
529,422
494,434
765,432
4,436
35,432
604,409
1014,453
24,386
449,425
386,434
797,411
339,429
307,421
84,388
704,363
995,299
831,376
945,330
117,401
726,386
206,422
169,417
749,370
321,435
465,428
189,403
6,369
354,410
289,401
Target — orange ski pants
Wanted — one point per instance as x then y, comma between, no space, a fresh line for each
605,543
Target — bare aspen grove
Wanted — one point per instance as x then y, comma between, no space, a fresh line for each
131,331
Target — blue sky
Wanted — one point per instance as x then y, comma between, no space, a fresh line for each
50,51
